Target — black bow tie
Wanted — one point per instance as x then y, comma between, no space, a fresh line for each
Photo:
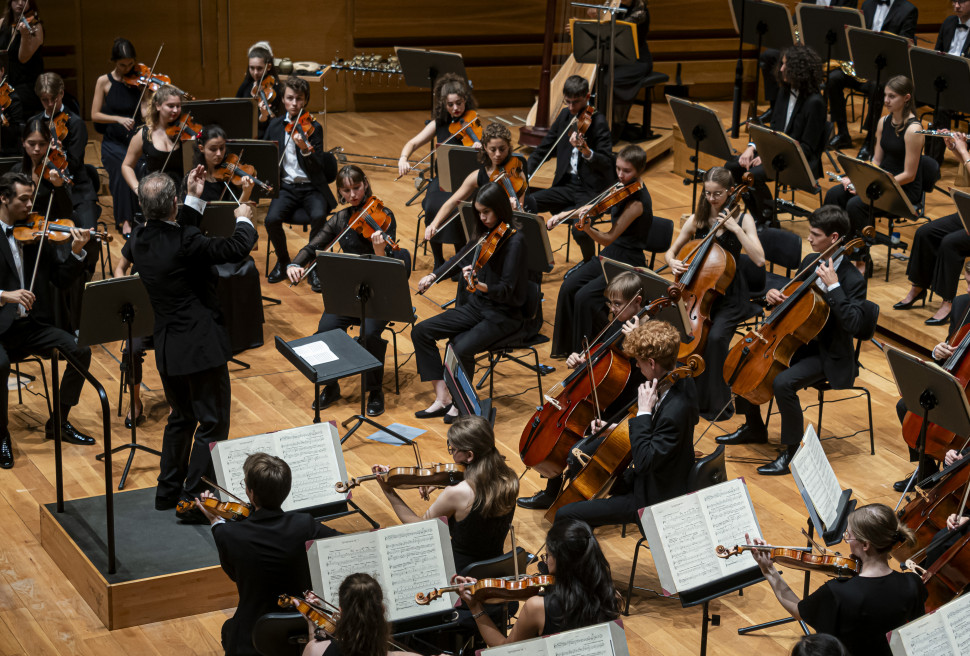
882,2
961,26
7,231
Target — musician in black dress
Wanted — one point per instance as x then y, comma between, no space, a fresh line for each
114,111
161,153
584,163
452,98
734,306
494,310
259,67
22,42
580,312
353,188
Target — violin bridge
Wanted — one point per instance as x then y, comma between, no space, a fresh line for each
552,402
920,491
582,457
759,336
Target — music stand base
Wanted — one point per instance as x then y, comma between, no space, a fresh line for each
133,446
344,513
271,300
765,625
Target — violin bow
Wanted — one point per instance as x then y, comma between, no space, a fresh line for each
262,96
205,479
40,246
455,263
13,28
589,205
592,379
43,166
350,225
178,137
555,145
144,87
287,136
435,149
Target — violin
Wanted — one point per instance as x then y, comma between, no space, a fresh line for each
142,75
58,125
28,231
409,478
5,100
494,591
323,620
753,363
615,452
184,129
265,92
373,217
573,403
802,558
485,250
31,20
56,160
224,509
511,178
468,128
230,170
614,195
303,126
583,120
710,270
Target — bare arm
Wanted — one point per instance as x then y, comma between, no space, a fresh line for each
463,192
531,621
135,148
914,146
630,213
422,137
686,234
29,44
748,236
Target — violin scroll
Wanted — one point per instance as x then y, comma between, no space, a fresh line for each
423,599
724,552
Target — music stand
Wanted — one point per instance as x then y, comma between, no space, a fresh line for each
943,77
371,287
455,163
118,309
878,56
653,287
593,44
702,131
237,116
924,384
533,227
783,161
462,390
962,201
823,30
882,192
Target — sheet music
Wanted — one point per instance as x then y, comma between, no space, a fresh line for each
957,618
686,542
928,638
414,564
728,510
344,555
313,461
812,469
945,632
315,353
606,639
228,457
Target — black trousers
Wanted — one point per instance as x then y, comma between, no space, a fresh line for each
939,250
200,416
855,206
563,197
835,88
580,309
616,509
370,339
293,197
27,337
471,330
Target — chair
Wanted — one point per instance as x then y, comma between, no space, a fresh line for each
660,237
930,169
707,471
648,83
501,567
300,217
782,248
43,377
280,634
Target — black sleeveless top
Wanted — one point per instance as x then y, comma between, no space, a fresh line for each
477,537
629,246
737,293
483,178
155,158
553,613
894,156
20,74
121,100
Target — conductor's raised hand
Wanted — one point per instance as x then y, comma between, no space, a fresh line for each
195,182
245,211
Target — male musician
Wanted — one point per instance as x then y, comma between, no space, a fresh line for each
953,41
895,16
661,435
305,173
584,165
22,332
175,262
830,356
265,553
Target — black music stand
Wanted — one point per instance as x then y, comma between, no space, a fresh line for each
702,131
237,116
877,56
593,44
943,77
823,30
881,191
962,201
118,309
462,390
783,161
372,287
455,163
762,24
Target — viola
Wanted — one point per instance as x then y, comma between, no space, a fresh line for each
57,229
224,509
56,160
512,179
323,620
485,250
142,75
184,129
265,92
303,126
753,363
801,558
614,195
615,452
468,128
585,119
571,405
230,170
409,478
494,591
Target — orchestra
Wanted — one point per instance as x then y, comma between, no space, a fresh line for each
673,340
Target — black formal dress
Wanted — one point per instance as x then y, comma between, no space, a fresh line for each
435,198
940,248
22,75
275,105
478,537
168,162
175,262
308,189
265,555
121,100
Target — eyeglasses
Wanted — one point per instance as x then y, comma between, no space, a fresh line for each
845,537
451,450
714,194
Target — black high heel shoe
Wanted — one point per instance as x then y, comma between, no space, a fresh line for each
905,306
938,322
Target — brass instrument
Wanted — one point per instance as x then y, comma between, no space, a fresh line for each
848,67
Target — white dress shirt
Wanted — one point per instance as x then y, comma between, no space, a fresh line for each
791,109
879,17
292,171
18,261
827,288
959,39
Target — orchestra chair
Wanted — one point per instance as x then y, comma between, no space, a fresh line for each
29,378
645,128
280,634
503,566
783,249
391,328
300,217
707,471
659,239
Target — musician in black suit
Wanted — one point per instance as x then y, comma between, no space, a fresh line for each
306,172
952,40
584,165
830,356
661,434
22,332
895,16
265,553
175,262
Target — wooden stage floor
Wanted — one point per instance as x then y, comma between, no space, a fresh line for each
40,613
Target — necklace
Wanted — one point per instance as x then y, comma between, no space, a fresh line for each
898,128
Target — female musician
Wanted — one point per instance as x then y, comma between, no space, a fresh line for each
939,249
211,152
22,42
353,188
36,140
260,66
582,596
452,98
158,149
898,148
480,508
734,306
495,154
113,110
495,309
819,644
860,610
579,309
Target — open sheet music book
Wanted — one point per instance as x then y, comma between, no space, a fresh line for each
944,632
313,453
606,639
684,532
813,473
405,560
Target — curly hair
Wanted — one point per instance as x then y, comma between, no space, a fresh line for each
362,629
494,131
654,339
804,68
447,84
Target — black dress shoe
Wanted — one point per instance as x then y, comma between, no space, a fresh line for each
166,503
375,403
744,435
905,306
900,486
139,420
937,322
450,418
779,466
329,396
865,154
69,434
277,274
540,501
314,282
840,141
431,414
6,452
